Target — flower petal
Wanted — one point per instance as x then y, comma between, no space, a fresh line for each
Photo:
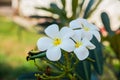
97,35
88,44
78,35
87,35
44,43
53,54
67,45
93,27
89,25
75,24
82,53
52,31
66,32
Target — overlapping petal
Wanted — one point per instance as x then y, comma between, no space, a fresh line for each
87,35
67,45
53,54
81,53
93,27
66,32
75,24
52,31
44,43
88,44
97,35
78,35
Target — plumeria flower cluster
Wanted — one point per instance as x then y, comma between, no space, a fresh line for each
75,38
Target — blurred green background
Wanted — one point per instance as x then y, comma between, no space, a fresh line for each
14,46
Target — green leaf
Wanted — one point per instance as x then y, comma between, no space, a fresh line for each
46,9
63,3
106,22
38,55
96,55
53,9
56,9
91,2
83,70
74,7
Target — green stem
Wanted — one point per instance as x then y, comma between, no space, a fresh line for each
44,76
68,69
90,59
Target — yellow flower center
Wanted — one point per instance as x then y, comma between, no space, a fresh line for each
57,41
86,28
78,44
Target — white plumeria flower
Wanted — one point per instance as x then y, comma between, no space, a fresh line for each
56,41
88,30
81,46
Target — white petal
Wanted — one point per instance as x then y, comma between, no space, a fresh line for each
88,35
53,54
44,43
78,35
66,32
83,21
93,27
67,45
82,53
52,31
88,44
97,35
75,24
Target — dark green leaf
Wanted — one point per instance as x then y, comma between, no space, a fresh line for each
83,70
94,76
57,10
74,7
91,2
106,22
29,76
96,55
32,57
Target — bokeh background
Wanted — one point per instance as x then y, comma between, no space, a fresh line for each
22,23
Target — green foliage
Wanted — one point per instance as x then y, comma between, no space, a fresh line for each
114,40
97,56
90,4
77,8
63,3
83,70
